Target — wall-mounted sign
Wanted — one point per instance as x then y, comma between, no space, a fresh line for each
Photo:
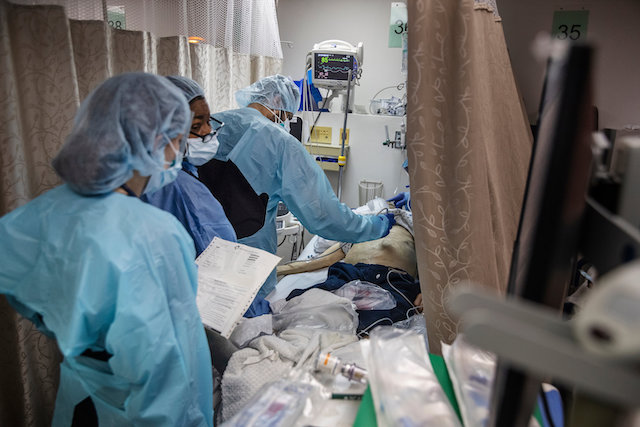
115,17
397,23
570,24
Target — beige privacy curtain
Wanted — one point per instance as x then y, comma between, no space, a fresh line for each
48,64
468,144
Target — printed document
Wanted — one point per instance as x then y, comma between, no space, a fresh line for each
229,277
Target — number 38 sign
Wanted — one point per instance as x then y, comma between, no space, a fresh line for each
570,24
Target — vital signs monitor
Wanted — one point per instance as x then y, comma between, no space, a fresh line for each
331,62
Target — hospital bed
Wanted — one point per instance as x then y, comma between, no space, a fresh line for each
394,255
266,373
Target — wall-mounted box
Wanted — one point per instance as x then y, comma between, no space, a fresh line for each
321,135
326,155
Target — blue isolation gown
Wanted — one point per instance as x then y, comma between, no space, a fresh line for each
276,163
112,274
192,203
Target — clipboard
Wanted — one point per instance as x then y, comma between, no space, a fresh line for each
229,277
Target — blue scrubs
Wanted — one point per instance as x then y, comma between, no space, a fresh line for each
275,163
202,216
192,203
112,275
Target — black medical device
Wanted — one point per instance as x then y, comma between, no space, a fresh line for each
547,241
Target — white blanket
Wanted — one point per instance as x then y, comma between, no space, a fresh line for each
270,357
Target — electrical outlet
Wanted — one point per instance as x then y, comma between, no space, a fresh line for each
321,135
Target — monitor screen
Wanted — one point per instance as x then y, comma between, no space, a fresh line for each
333,66
548,234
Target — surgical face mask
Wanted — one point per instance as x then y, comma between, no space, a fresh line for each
159,179
285,124
201,150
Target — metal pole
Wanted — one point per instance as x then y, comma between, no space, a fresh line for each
104,11
344,136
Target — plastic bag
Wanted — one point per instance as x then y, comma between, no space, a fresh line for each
406,391
471,371
317,309
280,403
366,295
372,207
417,324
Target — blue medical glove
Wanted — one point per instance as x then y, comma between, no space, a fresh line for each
392,221
401,199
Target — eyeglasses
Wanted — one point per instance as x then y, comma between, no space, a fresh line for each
216,125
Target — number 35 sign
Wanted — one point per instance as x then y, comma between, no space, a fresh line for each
570,24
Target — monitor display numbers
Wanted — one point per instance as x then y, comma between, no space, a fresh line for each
333,66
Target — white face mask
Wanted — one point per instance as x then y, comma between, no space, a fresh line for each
287,125
200,151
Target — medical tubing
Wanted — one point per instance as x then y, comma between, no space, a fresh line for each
306,94
414,308
307,103
400,273
346,114
368,328
344,136
315,122
399,86
305,89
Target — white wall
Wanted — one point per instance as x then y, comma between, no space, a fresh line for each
367,158
307,22
614,29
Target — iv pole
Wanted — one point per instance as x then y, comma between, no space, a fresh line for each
342,161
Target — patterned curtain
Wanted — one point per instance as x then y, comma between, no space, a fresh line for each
48,65
469,147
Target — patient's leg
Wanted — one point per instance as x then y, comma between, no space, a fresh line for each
395,250
327,258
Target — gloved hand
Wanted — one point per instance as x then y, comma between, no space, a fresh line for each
401,200
392,222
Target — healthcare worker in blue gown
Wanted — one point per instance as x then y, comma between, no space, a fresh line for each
187,198
190,200
256,139
111,278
